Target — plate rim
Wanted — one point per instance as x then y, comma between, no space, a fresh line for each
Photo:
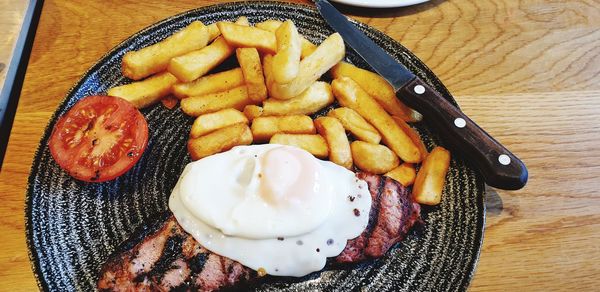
380,3
35,261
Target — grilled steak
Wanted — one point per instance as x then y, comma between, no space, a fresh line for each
163,257
393,213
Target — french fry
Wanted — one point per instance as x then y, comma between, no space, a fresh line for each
356,124
404,174
253,111
329,53
314,144
313,99
272,26
350,94
431,177
242,20
236,98
339,148
213,31
146,92
210,84
155,58
307,48
267,63
207,123
414,136
378,88
287,60
219,141
197,63
373,158
253,73
263,128
248,37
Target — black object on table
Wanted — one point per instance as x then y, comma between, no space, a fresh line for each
15,74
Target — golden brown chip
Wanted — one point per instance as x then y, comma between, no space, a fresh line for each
210,122
195,64
355,124
404,174
350,94
219,141
210,84
146,92
241,36
155,58
378,88
314,144
329,53
312,100
253,73
236,98
263,128
339,148
431,177
373,158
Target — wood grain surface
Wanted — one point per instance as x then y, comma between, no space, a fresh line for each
11,19
526,71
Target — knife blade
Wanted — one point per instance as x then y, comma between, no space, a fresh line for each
499,167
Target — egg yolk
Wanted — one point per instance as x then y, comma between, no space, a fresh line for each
289,176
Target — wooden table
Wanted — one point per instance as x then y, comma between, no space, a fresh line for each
527,71
11,19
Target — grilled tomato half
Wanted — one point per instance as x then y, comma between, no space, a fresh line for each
99,138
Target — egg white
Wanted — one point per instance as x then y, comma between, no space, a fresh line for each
226,191
298,253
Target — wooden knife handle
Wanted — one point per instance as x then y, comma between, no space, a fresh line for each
500,168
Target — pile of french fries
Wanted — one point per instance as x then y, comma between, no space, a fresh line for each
269,99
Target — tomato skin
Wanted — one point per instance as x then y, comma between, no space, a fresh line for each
99,138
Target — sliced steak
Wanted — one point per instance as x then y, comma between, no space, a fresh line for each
174,277
397,210
167,258
355,248
128,270
163,257
393,213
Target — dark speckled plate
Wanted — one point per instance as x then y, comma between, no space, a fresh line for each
72,226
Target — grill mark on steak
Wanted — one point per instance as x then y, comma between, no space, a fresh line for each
197,262
396,210
174,277
213,275
375,197
163,257
167,261
136,256
145,255
390,213
181,264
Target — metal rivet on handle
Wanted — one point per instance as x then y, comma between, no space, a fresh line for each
504,159
460,122
419,89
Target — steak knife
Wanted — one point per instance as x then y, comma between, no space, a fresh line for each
499,167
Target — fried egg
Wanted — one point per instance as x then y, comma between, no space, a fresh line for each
273,208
